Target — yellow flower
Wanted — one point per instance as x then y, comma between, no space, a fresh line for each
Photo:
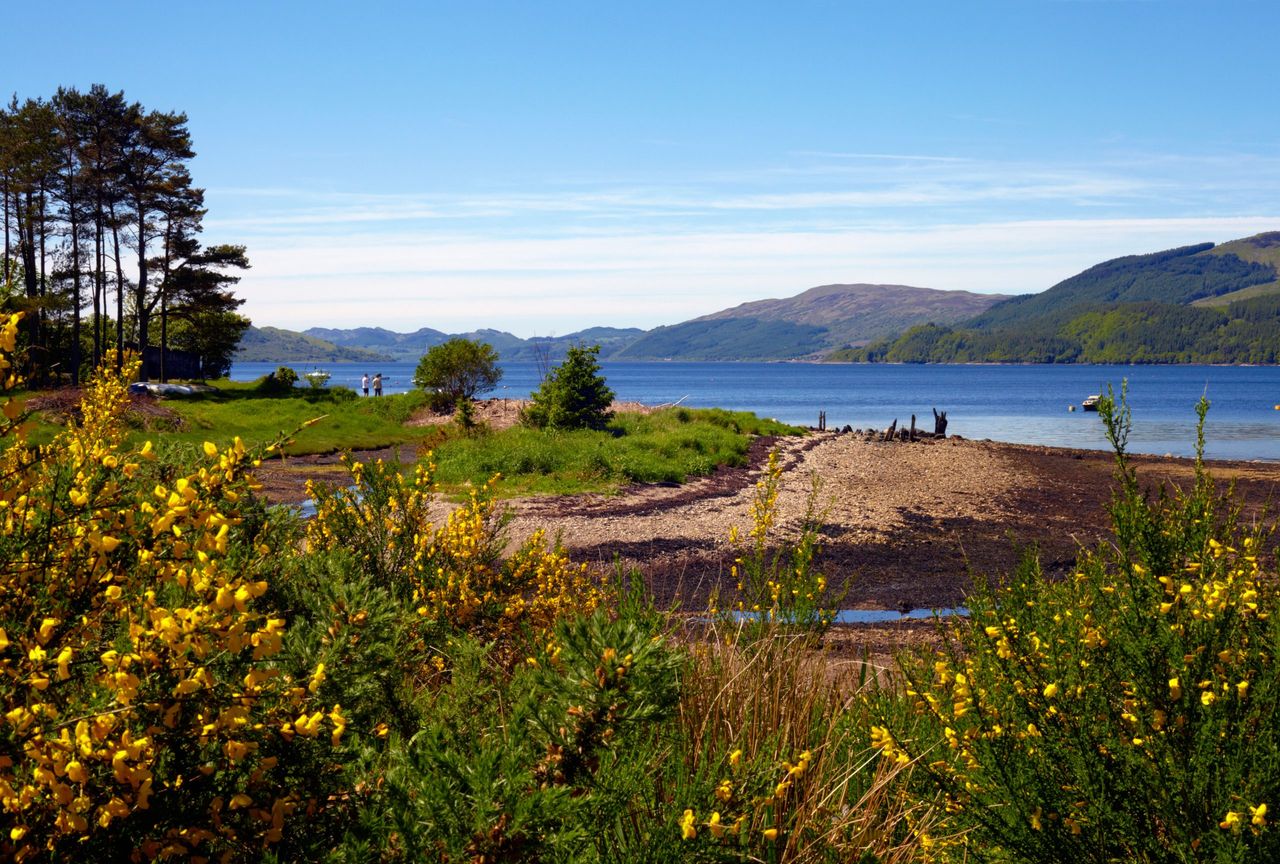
717,830
1175,689
1050,690
1258,816
734,758
687,831
771,834
1230,822
317,678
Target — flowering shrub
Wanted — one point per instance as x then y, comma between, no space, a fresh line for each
1124,713
453,575
145,714
778,586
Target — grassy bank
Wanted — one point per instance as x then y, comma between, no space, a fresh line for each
667,446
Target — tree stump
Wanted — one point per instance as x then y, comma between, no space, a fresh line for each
889,433
939,424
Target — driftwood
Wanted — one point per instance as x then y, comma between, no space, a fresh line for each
909,433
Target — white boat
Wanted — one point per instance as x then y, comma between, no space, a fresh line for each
1091,402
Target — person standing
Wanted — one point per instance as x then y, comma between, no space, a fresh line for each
377,384
364,383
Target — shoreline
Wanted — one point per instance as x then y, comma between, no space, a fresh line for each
905,525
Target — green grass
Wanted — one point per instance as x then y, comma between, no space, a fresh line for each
350,422
1242,294
667,446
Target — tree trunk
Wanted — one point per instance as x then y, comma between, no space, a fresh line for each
99,289
75,281
30,275
939,424
115,239
5,192
142,313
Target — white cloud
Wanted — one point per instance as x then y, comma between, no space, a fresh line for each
559,284
571,252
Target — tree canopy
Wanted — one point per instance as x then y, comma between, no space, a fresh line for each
457,370
574,395
101,226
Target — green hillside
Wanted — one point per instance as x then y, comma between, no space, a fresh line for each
727,339
274,345
807,325
1195,304
1260,249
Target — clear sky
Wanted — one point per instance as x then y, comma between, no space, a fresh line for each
539,167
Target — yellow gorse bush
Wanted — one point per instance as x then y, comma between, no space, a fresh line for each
142,710
1123,713
776,583
454,574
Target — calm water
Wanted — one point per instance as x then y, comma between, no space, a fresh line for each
1025,404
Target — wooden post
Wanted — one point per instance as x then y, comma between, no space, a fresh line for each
912,436
888,433
939,424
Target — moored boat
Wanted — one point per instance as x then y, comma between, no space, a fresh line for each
1090,403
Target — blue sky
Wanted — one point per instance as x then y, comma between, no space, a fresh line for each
539,167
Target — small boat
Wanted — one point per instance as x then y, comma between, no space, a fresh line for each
1091,402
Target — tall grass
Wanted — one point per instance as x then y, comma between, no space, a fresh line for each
775,747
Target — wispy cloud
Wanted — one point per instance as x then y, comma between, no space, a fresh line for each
558,284
574,252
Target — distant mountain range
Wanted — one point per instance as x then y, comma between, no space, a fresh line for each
809,326
1203,303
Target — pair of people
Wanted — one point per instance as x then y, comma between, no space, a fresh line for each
377,384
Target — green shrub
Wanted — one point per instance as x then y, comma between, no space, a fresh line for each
573,396
279,381
510,769
457,370
1124,713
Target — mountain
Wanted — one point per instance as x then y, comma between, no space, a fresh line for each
391,345
371,344
810,324
1194,304
274,345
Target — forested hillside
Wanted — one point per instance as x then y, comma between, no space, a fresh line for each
1196,304
808,324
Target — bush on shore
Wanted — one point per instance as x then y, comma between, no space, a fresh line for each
1124,713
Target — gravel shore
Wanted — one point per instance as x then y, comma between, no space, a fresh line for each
903,525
